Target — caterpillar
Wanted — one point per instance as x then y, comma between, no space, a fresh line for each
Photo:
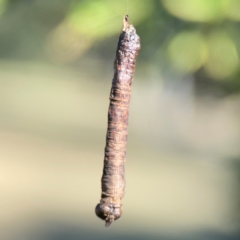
113,177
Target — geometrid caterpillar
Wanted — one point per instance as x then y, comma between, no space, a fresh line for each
113,178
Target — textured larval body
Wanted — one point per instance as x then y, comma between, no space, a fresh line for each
113,178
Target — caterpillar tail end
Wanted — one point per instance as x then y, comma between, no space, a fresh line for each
125,22
108,212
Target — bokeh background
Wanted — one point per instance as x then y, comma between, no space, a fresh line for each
183,156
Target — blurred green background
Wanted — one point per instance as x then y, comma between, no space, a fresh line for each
183,155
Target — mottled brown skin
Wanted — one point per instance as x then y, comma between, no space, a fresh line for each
113,178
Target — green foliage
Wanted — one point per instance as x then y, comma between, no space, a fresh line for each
101,18
2,5
178,36
223,58
233,9
203,10
208,44
188,51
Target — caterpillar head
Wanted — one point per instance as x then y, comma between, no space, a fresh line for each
109,212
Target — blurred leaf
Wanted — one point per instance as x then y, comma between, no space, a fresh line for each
102,18
3,4
188,51
233,10
65,45
197,10
223,58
